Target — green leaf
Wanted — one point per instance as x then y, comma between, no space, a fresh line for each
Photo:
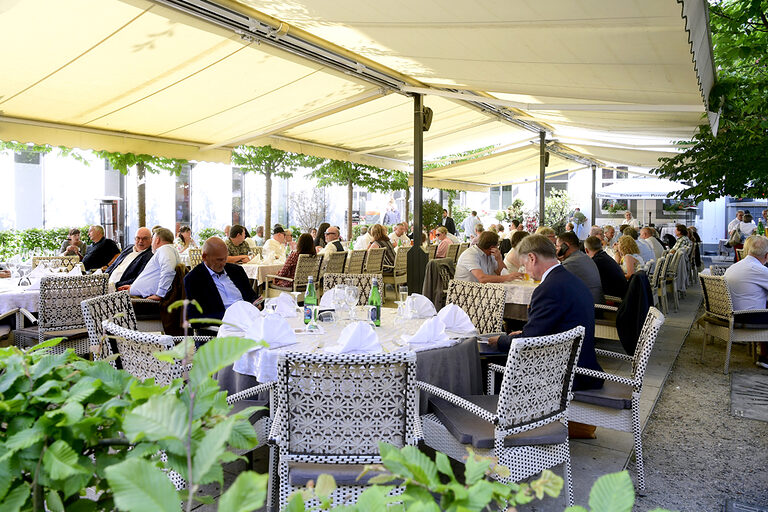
376,499
295,503
139,486
209,450
177,353
325,485
70,413
161,417
60,461
548,483
47,363
475,467
16,498
444,465
576,508
24,439
243,436
248,492
146,389
613,492
218,353
46,344
53,502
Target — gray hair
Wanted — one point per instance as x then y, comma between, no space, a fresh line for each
758,246
164,234
539,245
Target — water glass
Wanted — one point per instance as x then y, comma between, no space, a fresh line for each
339,297
351,296
402,294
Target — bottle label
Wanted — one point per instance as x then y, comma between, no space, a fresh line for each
307,314
376,315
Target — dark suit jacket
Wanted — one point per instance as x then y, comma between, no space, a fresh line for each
558,304
611,275
199,286
134,268
450,225
632,312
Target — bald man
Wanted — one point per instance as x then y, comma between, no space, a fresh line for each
127,267
216,284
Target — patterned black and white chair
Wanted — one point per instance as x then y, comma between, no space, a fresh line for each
332,410
59,313
718,270
484,303
617,405
525,426
65,262
115,307
362,281
356,262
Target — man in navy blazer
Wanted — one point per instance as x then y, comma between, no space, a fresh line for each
216,284
561,302
131,262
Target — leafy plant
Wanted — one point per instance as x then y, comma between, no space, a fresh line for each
206,233
557,206
514,211
612,206
613,492
431,215
13,242
459,214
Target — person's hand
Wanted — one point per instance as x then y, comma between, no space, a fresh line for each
493,341
515,333
155,297
244,258
5,274
496,253
126,287
512,276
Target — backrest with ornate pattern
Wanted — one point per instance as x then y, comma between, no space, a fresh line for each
60,298
653,322
68,262
114,307
718,270
484,303
717,297
306,266
362,281
195,256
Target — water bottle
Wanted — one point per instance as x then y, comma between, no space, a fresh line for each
374,299
310,299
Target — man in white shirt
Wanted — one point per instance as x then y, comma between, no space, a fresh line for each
364,240
748,283
646,236
468,226
398,236
276,244
631,221
155,280
482,262
734,224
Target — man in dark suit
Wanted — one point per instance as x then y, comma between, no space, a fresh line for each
216,284
129,264
448,223
611,276
561,302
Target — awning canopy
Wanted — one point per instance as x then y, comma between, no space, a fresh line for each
639,188
192,79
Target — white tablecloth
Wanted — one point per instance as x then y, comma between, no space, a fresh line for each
13,296
259,272
519,292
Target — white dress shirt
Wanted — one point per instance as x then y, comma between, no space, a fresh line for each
633,223
117,274
748,282
157,276
227,289
734,224
273,246
403,239
646,249
363,241
468,226
658,249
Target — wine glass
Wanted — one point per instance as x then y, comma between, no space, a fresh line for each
339,297
312,326
351,295
296,302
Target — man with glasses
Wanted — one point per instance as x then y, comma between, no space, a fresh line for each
132,260
332,243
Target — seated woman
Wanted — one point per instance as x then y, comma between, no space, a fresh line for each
444,242
627,254
184,239
305,245
73,246
510,260
381,240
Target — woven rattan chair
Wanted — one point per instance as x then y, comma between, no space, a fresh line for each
661,284
463,247
525,426
334,262
195,256
356,262
307,265
719,319
59,313
431,251
67,262
374,262
484,303
453,252
617,404
363,281
332,410
399,270
114,307
659,300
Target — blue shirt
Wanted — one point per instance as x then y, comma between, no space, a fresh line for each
227,289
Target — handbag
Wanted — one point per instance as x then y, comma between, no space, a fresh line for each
735,238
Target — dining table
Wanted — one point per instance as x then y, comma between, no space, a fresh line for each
14,298
518,297
453,365
259,270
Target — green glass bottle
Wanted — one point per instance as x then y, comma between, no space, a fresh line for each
310,299
760,228
374,299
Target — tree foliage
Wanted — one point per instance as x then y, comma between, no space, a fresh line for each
735,161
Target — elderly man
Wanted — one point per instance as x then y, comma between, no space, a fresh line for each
102,252
611,236
482,262
155,280
646,250
332,242
259,238
216,284
579,264
131,262
734,224
611,276
237,248
560,302
646,236
364,240
631,221
276,244
398,236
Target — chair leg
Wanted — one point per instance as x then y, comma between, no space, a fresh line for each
727,355
638,444
568,480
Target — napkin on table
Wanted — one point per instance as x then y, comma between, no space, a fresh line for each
36,275
456,319
286,307
431,334
239,318
357,338
421,306
326,300
75,271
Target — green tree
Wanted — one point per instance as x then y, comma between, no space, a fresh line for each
431,215
557,206
372,179
270,162
735,161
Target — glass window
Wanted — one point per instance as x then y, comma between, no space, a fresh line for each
506,196
495,198
237,195
607,174
27,157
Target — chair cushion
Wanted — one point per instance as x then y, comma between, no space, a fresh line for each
613,394
299,474
32,333
606,322
469,429
281,288
243,404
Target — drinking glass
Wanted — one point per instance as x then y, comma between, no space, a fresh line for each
402,294
339,297
296,303
312,326
352,294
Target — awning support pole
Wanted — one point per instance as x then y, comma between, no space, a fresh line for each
595,207
542,170
417,259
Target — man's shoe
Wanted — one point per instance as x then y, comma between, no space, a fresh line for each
762,364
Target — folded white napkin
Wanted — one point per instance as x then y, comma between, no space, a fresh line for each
357,338
75,271
431,334
326,300
40,271
421,306
456,319
238,319
286,307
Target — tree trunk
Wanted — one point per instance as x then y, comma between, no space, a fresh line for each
407,206
268,205
141,192
349,210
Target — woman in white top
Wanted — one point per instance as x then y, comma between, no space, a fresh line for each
184,240
747,227
630,221
627,254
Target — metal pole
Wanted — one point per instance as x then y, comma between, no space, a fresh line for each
542,170
595,208
417,259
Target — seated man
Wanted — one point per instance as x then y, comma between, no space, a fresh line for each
363,240
156,279
332,243
237,248
579,264
748,283
611,276
646,235
131,262
482,263
398,236
646,250
561,302
102,252
216,284
276,244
